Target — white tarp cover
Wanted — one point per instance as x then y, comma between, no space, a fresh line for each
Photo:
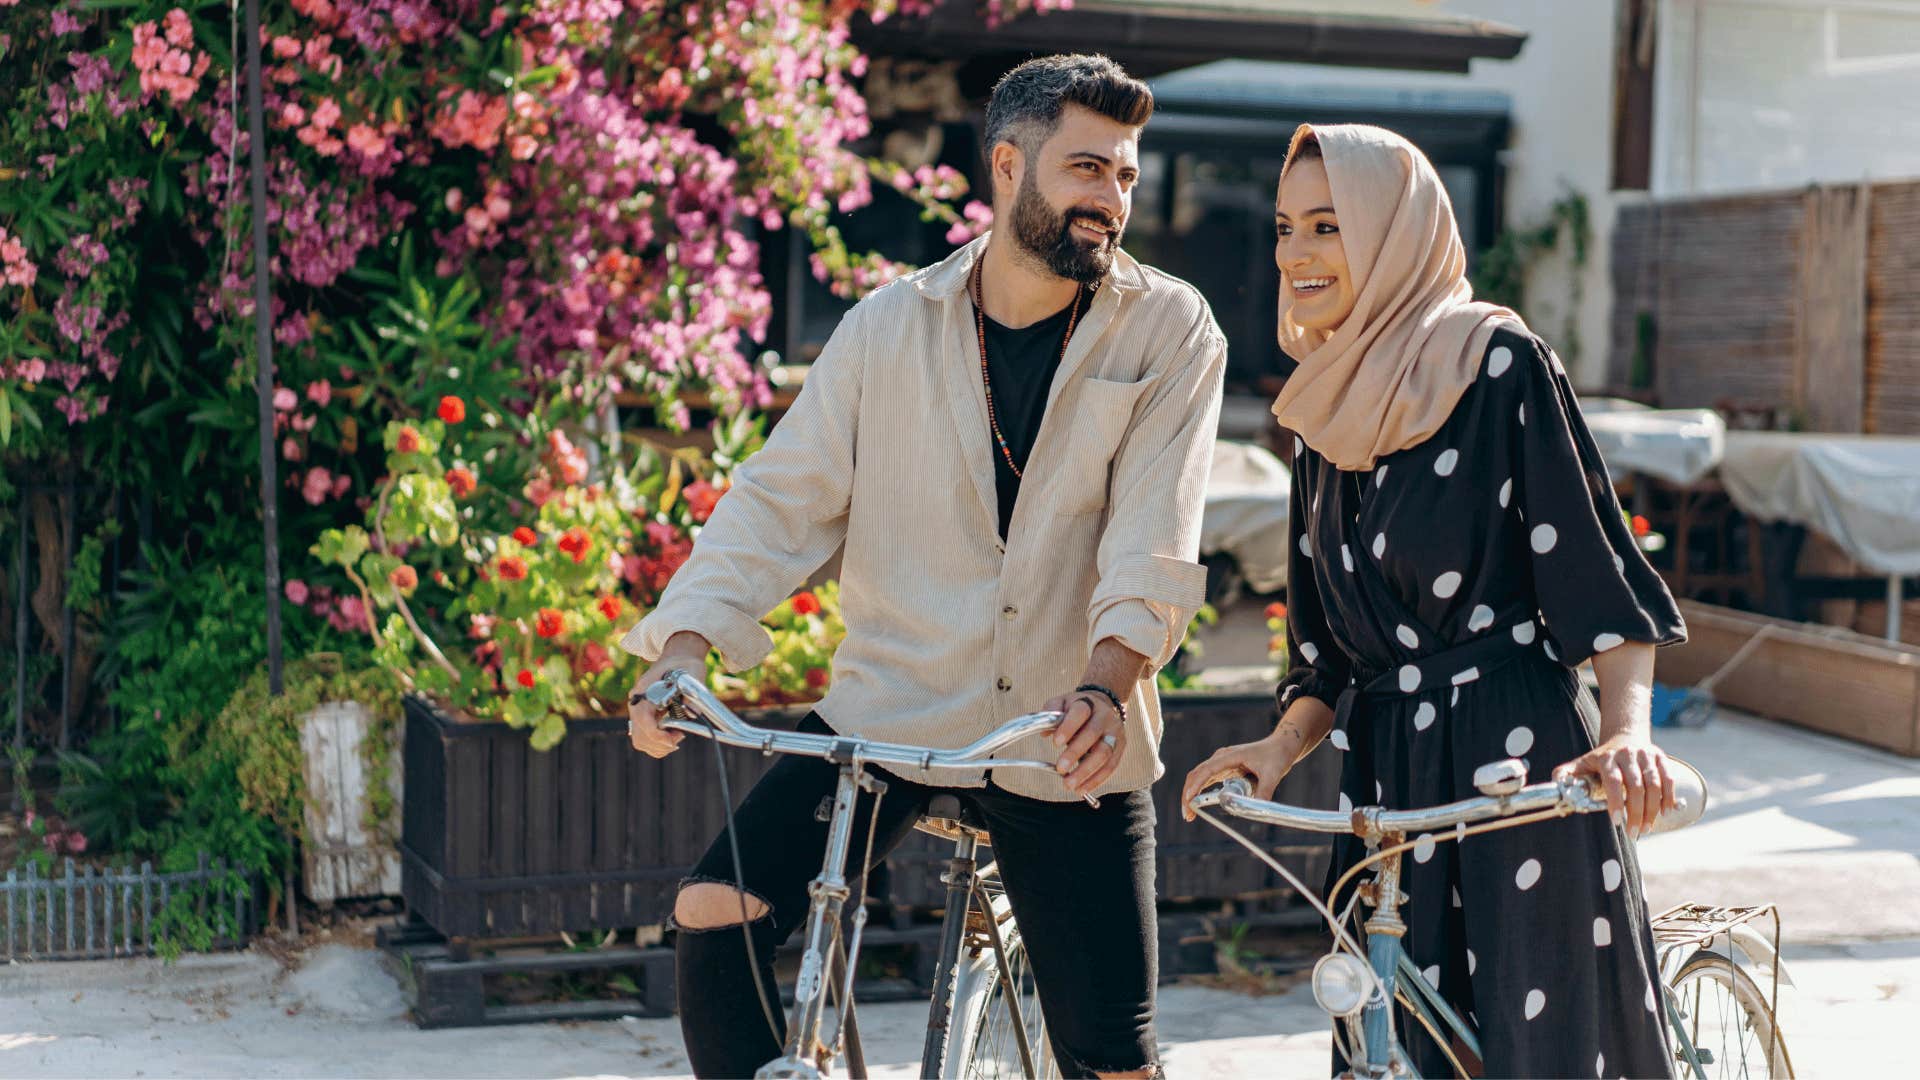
1246,512
1861,491
1676,445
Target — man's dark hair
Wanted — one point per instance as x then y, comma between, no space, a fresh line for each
1027,102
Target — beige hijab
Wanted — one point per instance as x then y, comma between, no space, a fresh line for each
1390,375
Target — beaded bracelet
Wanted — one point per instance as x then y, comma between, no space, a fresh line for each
1095,688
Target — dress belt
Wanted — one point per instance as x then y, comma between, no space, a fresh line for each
1456,665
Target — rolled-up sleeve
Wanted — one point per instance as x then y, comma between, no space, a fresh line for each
1151,582
783,517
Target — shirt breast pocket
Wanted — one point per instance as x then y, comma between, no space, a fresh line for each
1092,436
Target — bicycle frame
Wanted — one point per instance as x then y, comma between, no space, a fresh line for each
1379,1053
689,707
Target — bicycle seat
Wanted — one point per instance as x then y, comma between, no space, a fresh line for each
948,817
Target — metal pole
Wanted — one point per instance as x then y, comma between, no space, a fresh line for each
71,520
263,337
20,634
1895,597
263,377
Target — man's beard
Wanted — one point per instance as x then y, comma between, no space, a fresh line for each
1048,237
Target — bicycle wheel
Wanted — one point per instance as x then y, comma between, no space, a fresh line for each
1728,1020
985,1042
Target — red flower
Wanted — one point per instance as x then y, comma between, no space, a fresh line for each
816,678
548,623
462,481
594,659
610,607
701,498
806,604
404,578
525,536
452,409
1641,526
525,678
575,542
1276,610
513,568
408,442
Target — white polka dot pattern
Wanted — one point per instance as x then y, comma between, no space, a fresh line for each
1528,875
1446,584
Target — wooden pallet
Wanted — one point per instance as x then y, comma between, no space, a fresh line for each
446,981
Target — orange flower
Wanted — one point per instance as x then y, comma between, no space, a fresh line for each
806,604
575,542
525,536
462,481
404,578
525,678
513,568
548,623
610,607
1276,610
408,442
1641,526
452,409
816,678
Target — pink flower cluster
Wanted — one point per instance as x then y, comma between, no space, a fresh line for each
166,60
16,268
345,612
975,219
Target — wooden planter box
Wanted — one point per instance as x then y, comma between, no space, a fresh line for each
499,840
1821,677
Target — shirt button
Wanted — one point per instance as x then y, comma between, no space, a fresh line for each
1004,683
1010,611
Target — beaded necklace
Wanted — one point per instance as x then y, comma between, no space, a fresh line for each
980,329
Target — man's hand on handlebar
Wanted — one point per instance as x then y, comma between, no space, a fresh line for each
685,651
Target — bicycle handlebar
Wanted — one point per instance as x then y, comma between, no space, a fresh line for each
1570,795
679,694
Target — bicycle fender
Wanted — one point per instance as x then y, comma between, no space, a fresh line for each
1750,948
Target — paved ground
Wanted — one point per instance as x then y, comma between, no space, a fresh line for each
1829,830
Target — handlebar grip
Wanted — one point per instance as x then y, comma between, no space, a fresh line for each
1689,792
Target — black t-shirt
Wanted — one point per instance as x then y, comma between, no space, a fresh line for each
1021,364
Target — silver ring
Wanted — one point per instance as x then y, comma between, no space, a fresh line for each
1111,741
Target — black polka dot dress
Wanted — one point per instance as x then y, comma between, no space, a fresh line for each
1439,603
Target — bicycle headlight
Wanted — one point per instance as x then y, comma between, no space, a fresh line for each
1340,983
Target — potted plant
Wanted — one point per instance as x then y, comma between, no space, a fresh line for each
526,810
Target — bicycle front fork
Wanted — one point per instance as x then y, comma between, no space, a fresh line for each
829,894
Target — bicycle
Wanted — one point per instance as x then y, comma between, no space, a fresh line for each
985,1020
1708,957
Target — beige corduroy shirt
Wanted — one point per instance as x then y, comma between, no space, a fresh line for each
951,632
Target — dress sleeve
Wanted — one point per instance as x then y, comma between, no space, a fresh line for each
1316,666
1595,588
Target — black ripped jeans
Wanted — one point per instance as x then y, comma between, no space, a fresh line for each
1080,880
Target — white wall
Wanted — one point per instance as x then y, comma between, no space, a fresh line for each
1757,94
1561,88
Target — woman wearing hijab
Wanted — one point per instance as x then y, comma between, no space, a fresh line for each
1457,551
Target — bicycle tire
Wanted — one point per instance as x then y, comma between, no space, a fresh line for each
1747,1055
981,1044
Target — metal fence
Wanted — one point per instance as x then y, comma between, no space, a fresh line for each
97,914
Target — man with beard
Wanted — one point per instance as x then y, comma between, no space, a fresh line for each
1012,445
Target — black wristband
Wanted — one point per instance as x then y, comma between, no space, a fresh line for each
1095,688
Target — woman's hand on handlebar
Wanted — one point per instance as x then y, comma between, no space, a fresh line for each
1264,763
